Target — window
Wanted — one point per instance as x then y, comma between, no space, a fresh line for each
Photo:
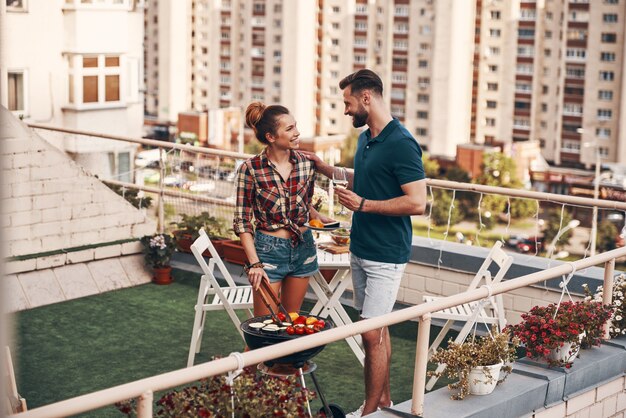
421,131
423,82
336,9
572,147
334,41
578,54
96,79
259,8
611,1
519,123
422,114
422,98
607,75
493,50
577,34
495,33
422,64
548,34
522,105
495,15
568,127
398,94
492,86
16,91
526,33
360,26
605,95
493,68
361,9
574,90
524,68
609,18
603,151
398,77
335,25
525,50
528,14
16,5
572,109
401,11
603,133
490,121
492,104
401,28
401,45
607,56
608,38
575,72
605,114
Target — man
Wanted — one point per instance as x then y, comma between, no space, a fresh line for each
386,188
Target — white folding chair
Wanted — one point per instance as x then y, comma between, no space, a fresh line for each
228,298
489,311
15,403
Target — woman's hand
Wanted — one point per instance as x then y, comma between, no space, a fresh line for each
255,275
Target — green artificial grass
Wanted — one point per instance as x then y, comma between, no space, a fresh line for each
84,345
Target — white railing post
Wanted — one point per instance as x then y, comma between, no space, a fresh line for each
144,404
607,291
421,364
160,209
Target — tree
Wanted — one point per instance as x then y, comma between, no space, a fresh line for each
349,149
606,238
431,167
500,171
441,208
554,224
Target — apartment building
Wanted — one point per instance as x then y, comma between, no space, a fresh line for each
76,64
551,71
483,71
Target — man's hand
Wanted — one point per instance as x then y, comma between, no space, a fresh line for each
320,166
348,199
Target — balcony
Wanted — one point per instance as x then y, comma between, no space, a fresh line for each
437,265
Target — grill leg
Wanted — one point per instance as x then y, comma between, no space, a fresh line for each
303,383
322,397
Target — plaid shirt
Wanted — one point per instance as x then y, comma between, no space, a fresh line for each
274,203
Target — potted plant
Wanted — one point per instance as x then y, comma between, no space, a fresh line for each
158,250
479,364
251,395
617,324
187,228
555,332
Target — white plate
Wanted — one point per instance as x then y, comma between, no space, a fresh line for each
335,225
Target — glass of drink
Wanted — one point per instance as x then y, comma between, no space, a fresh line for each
340,181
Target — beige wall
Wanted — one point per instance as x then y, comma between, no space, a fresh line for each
607,400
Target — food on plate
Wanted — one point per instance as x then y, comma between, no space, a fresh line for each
316,223
344,232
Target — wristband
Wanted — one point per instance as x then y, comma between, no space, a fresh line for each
361,205
249,266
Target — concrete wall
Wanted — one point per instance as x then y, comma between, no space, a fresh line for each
51,204
607,400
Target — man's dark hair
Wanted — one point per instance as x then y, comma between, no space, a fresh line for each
362,80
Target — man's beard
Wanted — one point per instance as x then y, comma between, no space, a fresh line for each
360,117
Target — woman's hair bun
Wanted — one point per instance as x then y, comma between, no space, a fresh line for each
254,113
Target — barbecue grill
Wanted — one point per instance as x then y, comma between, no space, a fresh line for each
297,364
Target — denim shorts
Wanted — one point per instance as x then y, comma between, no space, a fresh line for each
375,285
282,260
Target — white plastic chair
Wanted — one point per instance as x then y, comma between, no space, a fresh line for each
489,311
229,298
15,403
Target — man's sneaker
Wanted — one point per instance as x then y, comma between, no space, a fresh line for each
359,412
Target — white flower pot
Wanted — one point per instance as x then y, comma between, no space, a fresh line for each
483,380
564,354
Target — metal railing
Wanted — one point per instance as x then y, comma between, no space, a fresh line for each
143,389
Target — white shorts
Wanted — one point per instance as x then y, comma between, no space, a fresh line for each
375,285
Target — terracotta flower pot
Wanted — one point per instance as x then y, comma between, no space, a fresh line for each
234,253
162,275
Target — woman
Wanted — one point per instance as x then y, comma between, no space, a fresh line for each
274,191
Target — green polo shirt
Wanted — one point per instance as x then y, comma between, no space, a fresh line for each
381,166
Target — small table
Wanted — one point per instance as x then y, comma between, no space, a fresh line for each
329,292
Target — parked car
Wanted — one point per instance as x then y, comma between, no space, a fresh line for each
515,239
530,245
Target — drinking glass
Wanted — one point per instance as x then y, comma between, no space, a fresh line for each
340,181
